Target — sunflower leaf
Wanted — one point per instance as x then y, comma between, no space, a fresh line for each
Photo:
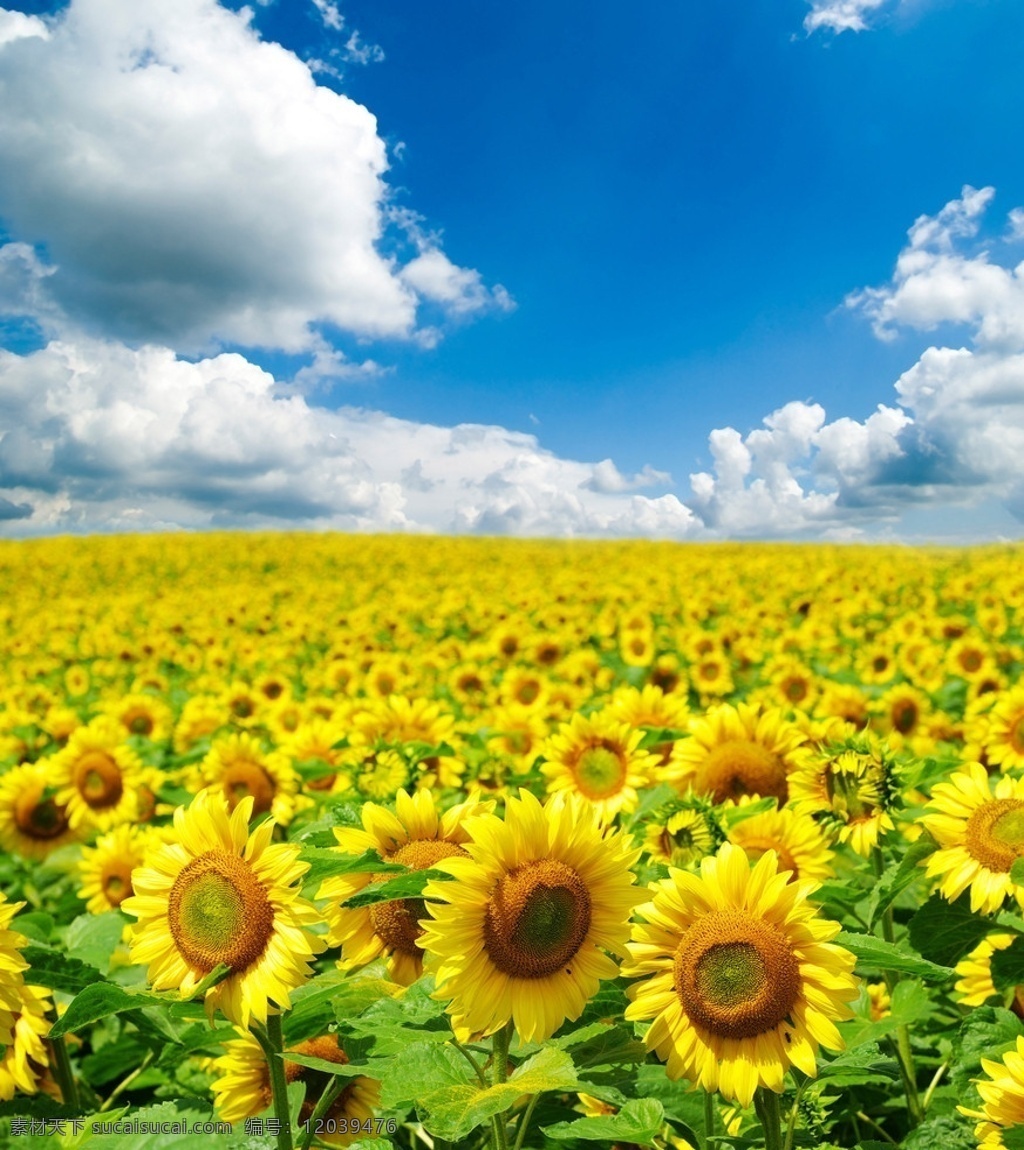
899,876
639,1121
325,863
1017,872
334,1069
93,938
945,931
58,971
101,1000
405,886
986,1032
878,954
218,974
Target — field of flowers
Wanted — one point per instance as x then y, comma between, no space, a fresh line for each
420,842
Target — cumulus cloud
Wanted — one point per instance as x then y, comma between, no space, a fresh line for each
100,435
955,435
193,185
841,15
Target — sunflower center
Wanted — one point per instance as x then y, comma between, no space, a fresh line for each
98,779
742,767
39,818
398,922
326,1048
904,716
600,771
242,779
218,912
1017,734
117,883
736,976
139,722
995,833
537,919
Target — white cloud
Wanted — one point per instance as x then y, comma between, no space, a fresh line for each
192,184
461,291
330,15
99,436
956,437
841,15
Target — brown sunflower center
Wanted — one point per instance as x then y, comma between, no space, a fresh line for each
995,833
742,767
244,779
327,1049
218,911
600,771
398,922
139,722
736,976
117,882
98,779
1017,734
38,817
537,919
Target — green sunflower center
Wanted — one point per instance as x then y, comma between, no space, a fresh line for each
537,919
742,767
736,975
218,912
98,779
600,771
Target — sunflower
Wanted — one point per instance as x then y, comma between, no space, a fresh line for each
143,714
11,966
980,835
850,788
417,835
200,716
32,822
379,774
975,986
96,776
1002,1095
106,869
744,980
1004,741
598,758
216,896
240,768
242,1087
521,932
684,832
314,743
796,839
26,1058
742,750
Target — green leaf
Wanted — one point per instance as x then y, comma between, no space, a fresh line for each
93,938
332,1069
405,886
945,931
985,1033
951,1132
1013,1137
910,1003
36,925
57,971
99,1001
1008,966
218,974
866,1064
899,876
603,1045
878,954
639,1121
1017,872
325,863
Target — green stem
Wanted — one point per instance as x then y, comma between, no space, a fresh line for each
766,1102
324,1103
471,1060
931,1086
63,1073
123,1085
272,1041
871,1122
793,1115
709,1117
524,1122
499,1059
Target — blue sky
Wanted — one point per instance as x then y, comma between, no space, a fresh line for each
541,269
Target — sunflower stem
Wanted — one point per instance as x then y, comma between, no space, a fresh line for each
63,1073
766,1103
499,1074
323,1104
123,1085
274,1048
709,1117
524,1123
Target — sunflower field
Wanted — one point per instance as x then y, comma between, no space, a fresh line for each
317,840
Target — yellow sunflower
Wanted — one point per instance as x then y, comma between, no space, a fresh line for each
105,870
744,982
417,835
219,895
240,768
796,839
143,714
741,750
684,832
32,822
1002,1095
97,775
26,1058
11,966
242,1087
597,758
975,986
521,931
1004,741
981,836
850,788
